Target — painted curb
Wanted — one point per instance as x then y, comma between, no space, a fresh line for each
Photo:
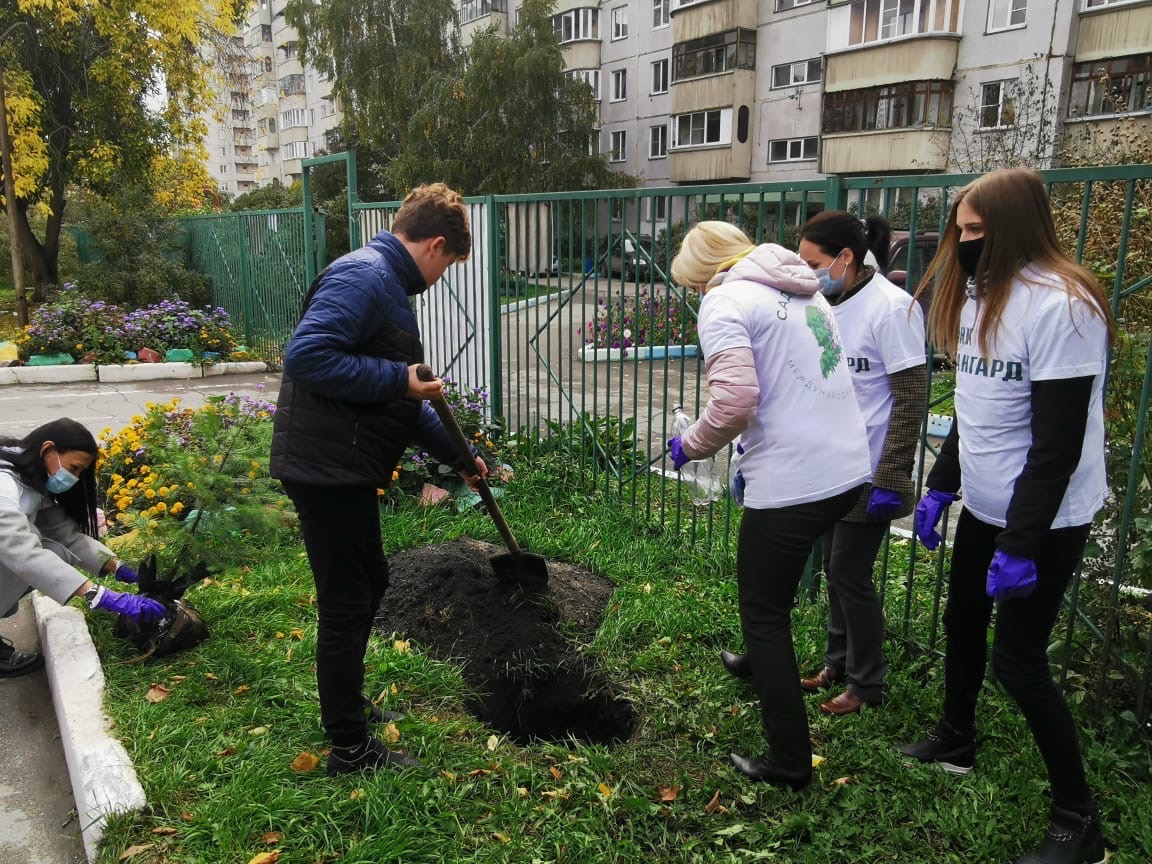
644,352
939,425
103,779
117,374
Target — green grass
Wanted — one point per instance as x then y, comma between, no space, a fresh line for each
215,756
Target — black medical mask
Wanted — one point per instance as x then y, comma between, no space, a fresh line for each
968,254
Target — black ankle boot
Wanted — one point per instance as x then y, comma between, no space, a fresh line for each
369,755
737,665
1072,838
763,769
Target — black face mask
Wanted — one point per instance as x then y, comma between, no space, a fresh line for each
968,254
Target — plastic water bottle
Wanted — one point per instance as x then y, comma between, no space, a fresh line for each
700,475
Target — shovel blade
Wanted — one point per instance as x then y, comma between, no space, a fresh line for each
531,571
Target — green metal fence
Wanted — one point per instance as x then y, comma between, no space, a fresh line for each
566,315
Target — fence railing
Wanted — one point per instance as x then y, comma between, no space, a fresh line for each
566,314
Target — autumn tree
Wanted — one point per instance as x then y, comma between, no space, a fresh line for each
83,76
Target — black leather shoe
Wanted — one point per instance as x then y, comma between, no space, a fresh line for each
737,665
370,755
14,662
763,769
380,715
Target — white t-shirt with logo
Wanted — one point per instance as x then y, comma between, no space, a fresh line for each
883,332
807,441
1045,334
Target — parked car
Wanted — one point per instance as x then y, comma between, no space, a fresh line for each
904,255
626,259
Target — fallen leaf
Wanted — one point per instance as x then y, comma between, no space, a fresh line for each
556,772
355,793
503,838
211,677
305,762
164,831
493,742
817,761
296,634
265,857
177,679
394,688
605,790
258,730
714,804
448,775
243,688
186,816
157,693
669,793
523,790
556,793
402,646
271,838
480,772
134,850
647,588
278,635
843,781
390,734
227,751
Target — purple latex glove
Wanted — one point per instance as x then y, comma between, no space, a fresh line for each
927,516
124,573
679,460
132,605
1010,576
882,504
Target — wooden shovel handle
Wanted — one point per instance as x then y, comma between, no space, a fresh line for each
440,406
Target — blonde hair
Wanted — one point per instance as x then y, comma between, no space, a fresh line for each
1013,205
708,248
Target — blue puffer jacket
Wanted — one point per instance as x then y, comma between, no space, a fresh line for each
342,417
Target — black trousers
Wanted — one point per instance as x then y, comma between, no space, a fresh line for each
855,644
341,528
772,550
1019,648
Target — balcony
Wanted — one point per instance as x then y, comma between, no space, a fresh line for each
1114,32
582,55
931,57
704,19
886,150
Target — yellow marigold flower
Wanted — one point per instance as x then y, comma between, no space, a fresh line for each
163,490
395,475
176,508
149,493
133,483
254,464
251,475
245,491
79,346
379,492
127,460
160,507
144,469
217,458
190,485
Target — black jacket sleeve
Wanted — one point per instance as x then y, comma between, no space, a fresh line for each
1059,418
945,473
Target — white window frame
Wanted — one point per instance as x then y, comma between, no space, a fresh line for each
785,5
798,73
658,141
660,77
619,23
582,25
656,208
1005,92
618,146
591,77
723,129
660,17
797,144
1100,4
1005,10
619,92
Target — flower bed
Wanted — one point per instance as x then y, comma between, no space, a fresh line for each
644,319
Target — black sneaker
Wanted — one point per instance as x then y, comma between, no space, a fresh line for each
380,715
1072,838
368,756
951,750
14,662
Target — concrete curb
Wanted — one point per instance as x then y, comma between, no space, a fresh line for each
103,779
117,374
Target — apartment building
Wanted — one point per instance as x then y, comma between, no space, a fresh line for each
272,111
709,91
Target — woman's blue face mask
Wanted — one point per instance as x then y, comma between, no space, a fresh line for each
61,480
830,287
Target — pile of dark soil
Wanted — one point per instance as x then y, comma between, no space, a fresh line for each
517,648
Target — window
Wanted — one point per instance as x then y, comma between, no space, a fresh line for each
223,151
294,117
291,85
874,20
660,77
619,23
619,150
791,74
265,32
785,5
710,55
591,77
1098,4
295,150
1003,14
656,208
470,10
910,104
657,141
1116,86
997,105
702,129
576,24
793,149
223,169
619,85
659,14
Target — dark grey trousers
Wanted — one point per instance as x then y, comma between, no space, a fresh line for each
855,645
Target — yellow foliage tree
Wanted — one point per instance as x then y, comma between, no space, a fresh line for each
100,94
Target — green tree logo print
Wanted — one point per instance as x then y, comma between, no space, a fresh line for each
826,338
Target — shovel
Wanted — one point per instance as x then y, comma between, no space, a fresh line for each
517,566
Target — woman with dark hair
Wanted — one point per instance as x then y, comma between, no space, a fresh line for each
1029,329
48,529
882,331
